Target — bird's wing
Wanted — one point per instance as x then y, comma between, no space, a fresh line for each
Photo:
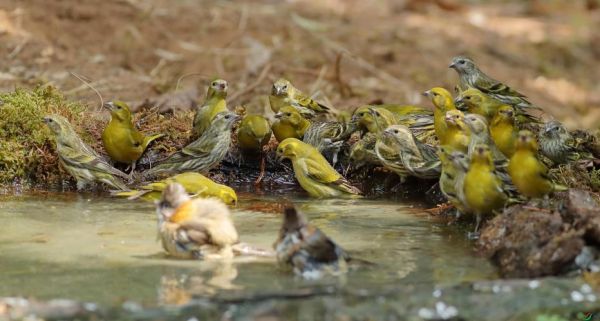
322,173
489,85
320,247
81,159
196,233
307,102
200,147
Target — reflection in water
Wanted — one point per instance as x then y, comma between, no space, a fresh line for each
105,250
180,288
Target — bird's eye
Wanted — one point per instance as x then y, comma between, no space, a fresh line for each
461,61
284,87
396,131
377,114
119,107
288,114
214,84
468,97
227,116
435,94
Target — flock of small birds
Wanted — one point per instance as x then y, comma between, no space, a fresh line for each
486,145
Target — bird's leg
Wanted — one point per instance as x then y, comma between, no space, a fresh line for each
262,170
475,234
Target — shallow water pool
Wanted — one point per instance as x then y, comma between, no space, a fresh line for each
104,250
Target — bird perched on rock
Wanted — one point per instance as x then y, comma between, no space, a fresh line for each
457,133
214,104
306,249
122,141
471,76
313,172
528,173
284,94
253,134
80,160
503,130
442,101
558,145
480,134
419,159
202,154
289,124
483,190
194,228
195,184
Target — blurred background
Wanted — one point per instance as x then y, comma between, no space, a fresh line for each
344,52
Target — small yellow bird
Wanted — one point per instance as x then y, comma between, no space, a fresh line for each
419,159
479,103
504,131
452,177
483,189
79,159
313,172
194,228
253,134
418,119
457,134
527,172
284,94
442,100
214,104
289,124
480,134
374,122
195,184
363,153
122,141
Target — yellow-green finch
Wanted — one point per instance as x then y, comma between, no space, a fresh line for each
558,144
253,134
202,154
306,249
363,152
457,133
419,159
480,134
483,189
387,150
284,93
194,228
122,141
79,159
289,123
527,172
195,184
442,101
471,76
214,104
454,169
313,172
417,119
503,130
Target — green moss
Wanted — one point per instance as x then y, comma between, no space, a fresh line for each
26,153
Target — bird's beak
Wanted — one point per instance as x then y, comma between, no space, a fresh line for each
449,119
223,87
452,66
46,120
109,105
426,93
278,115
276,91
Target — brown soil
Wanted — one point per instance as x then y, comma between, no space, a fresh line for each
346,52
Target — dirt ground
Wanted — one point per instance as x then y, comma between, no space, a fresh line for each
346,52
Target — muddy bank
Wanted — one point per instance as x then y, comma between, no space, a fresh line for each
537,239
